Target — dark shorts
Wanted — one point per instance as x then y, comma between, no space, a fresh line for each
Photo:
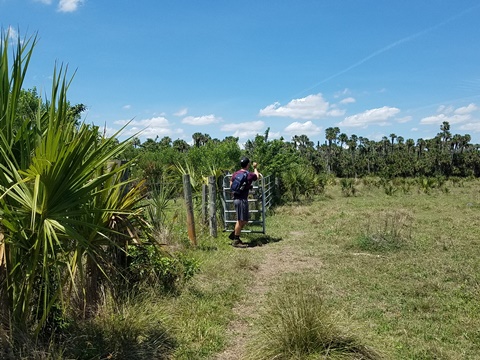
241,208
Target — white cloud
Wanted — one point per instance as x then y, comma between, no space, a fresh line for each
252,125
342,93
46,2
69,5
201,120
158,121
310,107
306,128
108,131
404,119
472,126
127,107
181,112
12,33
440,118
245,130
336,112
274,135
160,132
376,136
245,134
377,116
348,100
466,109
453,116
445,109
148,128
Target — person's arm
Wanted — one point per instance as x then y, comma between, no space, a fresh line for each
255,170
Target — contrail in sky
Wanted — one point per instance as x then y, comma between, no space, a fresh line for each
391,46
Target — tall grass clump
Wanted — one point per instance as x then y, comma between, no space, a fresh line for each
134,330
392,230
296,324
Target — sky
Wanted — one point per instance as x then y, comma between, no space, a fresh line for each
172,68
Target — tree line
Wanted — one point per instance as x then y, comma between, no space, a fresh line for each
340,155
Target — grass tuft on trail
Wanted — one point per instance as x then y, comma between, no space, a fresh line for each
297,325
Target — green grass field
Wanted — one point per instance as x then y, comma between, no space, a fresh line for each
398,274
370,276
417,298
402,273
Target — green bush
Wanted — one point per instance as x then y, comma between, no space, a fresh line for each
348,187
150,266
300,181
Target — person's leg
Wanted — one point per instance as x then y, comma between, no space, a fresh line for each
238,211
239,226
242,216
241,208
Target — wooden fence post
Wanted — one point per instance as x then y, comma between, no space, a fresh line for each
187,190
204,203
212,205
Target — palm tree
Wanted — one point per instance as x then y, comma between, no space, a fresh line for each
136,142
197,139
385,143
420,146
343,138
410,144
352,146
331,136
296,141
62,206
393,137
304,142
165,142
464,142
180,145
445,131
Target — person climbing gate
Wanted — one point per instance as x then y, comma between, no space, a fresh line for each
242,181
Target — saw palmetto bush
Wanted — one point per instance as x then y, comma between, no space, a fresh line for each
300,181
62,209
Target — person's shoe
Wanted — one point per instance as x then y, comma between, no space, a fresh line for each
232,235
239,244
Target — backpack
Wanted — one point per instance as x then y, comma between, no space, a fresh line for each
239,183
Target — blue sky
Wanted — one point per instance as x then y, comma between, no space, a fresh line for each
236,68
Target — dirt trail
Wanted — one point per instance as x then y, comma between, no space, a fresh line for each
277,259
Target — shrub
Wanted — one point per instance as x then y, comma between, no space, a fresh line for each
348,187
389,188
301,181
150,266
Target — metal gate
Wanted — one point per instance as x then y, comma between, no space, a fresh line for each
260,199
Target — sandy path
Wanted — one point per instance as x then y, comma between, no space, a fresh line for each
277,259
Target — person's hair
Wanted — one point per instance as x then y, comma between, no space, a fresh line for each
244,162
